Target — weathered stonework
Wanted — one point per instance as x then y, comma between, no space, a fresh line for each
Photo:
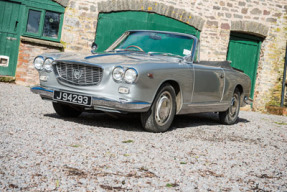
42,42
216,19
26,74
79,25
271,65
154,7
250,27
64,3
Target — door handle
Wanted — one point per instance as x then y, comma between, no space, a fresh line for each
221,76
16,25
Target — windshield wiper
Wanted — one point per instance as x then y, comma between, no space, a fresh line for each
121,50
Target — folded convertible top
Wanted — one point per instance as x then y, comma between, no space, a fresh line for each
222,64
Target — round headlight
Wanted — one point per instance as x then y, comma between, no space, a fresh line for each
130,75
118,73
48,64
38,63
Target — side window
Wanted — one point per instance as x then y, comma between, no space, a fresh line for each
43,24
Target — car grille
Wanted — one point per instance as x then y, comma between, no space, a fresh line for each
79,74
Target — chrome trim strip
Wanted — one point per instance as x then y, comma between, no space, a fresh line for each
101,103
121,106
193,82
105,54
224,83
40,88
42,91
206,104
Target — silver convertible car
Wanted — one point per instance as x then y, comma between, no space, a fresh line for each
154,73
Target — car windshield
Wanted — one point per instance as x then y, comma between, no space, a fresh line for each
155,42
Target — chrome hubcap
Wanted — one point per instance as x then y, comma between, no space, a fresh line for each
163,108
233,106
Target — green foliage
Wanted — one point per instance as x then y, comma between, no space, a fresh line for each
64,44
7,79
172,185
128,141
280,123
75,145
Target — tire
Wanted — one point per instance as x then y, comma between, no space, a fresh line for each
65,110
162,112
230,116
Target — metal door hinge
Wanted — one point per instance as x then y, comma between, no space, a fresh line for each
11,38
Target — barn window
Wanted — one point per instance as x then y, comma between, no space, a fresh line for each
33,21
51,24
43,24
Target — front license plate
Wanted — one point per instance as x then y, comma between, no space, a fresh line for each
72,98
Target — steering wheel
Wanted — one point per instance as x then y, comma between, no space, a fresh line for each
134,47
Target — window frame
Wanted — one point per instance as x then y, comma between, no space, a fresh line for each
39,35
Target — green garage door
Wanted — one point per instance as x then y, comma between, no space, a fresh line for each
244,52
9,37
112,25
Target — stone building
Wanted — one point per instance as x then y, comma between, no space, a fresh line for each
250,33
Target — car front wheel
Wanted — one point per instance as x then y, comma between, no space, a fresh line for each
162,111
230,116
66,110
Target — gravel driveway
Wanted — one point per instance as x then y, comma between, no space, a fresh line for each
96,152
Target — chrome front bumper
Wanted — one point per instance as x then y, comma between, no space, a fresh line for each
102,104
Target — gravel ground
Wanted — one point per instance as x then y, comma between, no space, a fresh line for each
96,152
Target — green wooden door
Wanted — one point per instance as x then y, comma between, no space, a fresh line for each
243,52
9,37
112,25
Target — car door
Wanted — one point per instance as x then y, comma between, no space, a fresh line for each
208,84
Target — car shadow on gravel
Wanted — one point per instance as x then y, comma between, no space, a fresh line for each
131,122
200,119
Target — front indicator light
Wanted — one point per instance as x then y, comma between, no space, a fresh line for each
124,90
44,78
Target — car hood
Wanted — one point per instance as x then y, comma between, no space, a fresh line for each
120,58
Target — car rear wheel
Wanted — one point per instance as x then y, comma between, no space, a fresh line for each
162,111
230,116
66,110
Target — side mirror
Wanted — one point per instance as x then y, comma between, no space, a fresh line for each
94,48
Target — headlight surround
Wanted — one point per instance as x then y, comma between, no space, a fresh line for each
118,73
48,64
38,62
130,75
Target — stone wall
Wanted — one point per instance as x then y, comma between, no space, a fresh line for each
29,48
79,25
